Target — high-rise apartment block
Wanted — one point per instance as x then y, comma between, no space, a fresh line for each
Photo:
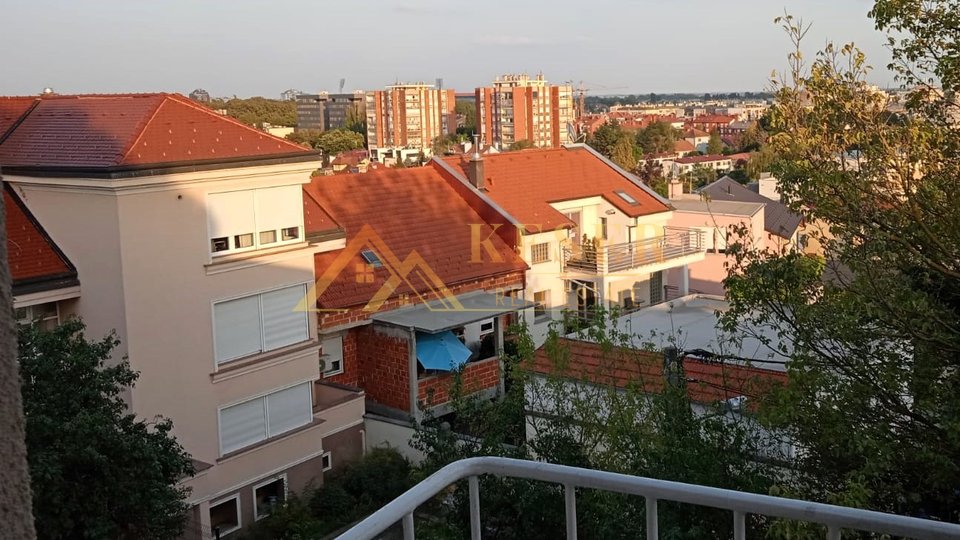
404,119
519,108
326,111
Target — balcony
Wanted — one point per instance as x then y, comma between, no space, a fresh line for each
738,503
674,246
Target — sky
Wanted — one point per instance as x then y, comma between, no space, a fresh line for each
247,48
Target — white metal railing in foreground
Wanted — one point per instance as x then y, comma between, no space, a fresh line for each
740,504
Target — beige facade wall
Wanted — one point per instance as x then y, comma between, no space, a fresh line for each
142,250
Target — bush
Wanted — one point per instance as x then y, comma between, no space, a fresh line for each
293,520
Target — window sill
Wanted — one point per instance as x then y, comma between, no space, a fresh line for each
237,261
255,446
236,368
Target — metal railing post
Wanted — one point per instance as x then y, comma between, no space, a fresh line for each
408,533
474,484
739,526
652,523
570,498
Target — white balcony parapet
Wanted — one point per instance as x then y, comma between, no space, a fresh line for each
834,518
676,242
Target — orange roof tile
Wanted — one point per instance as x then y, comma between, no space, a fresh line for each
525,183
129,130
412,209
707,382
36,263
683,145
12,109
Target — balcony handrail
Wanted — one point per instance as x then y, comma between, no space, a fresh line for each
740,503
673,243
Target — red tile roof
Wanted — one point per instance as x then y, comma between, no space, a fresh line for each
11,110
525,183
108,131
714,119
413,209
707,382
36,263
683,145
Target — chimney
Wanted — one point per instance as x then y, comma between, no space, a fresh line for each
475,167
675,189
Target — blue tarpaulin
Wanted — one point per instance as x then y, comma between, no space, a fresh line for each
441,351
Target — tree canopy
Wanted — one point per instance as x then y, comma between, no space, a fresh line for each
331,142
657,138
872,327
257,111
469,112
97,471
522,144
715,144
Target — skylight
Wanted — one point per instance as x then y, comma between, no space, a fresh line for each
371,258
626,196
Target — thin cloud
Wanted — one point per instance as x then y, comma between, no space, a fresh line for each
508,41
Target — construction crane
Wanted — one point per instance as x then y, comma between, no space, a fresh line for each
581,104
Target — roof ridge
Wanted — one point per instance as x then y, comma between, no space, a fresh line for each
142,128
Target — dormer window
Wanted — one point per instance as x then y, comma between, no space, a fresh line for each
253,219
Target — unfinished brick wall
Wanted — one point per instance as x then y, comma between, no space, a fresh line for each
477,376
351,362
384,365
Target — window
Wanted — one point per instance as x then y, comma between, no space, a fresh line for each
267,495
574,233
326,461
255,420
656,288
626,196
251,219
371,258
603,228
541,306
47,316
259,323
333,355
540,253
225,516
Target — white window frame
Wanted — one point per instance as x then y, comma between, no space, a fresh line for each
231,247
31,317
236,499
329,457
546,306
268,434
545,246
217,362
327,372
272,479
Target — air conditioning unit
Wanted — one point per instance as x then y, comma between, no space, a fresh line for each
322,363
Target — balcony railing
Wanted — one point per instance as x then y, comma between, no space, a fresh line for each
834,518
676,242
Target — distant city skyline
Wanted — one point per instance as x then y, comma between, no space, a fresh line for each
250,48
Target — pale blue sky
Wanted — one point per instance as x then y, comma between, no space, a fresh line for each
248,47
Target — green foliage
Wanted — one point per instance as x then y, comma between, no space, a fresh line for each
523,144
331,142
753,138
469,111
96,470
624,154
715,144
356,121
657,138
606,137
442,144
874,327
257,111
345,497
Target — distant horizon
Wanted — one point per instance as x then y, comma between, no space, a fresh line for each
247,48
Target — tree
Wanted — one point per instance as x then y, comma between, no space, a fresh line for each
468,110
442,144
657,138
715,144
96,470
257,111
624,153
873,327
753,138
336,141
522,144
356,121
606,137
309,137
